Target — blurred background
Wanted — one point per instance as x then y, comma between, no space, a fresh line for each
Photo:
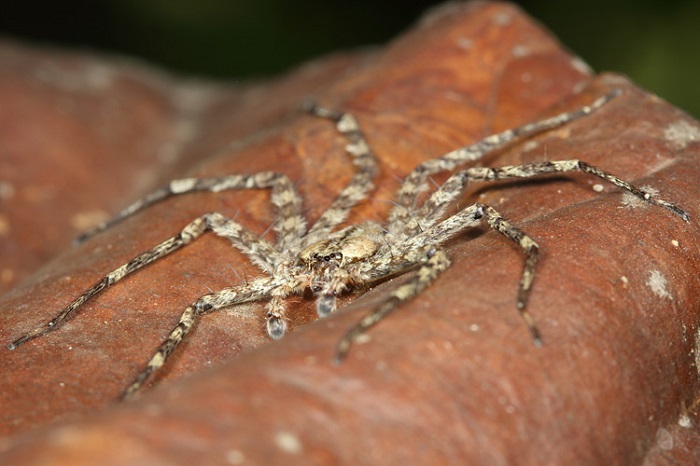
655,42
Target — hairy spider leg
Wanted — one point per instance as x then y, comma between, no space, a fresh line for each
256,248
530,170
360,184
290,224
403,217
254,291
356,190
432,263
433,209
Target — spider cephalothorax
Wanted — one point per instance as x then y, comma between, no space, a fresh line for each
333,262
330,262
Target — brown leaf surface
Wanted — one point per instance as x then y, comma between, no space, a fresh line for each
452,377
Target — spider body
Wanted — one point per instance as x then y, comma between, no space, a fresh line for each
330,260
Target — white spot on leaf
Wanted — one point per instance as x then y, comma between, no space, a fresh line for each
288,442
685,421
502,19
658,284
530,145
681,133
631,201
520,51
664,439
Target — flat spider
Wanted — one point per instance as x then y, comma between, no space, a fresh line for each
329,262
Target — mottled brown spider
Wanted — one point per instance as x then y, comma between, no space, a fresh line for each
330,262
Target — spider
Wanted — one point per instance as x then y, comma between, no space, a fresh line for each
329,261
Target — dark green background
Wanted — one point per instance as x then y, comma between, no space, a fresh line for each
656,42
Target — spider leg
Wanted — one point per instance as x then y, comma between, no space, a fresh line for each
402,217
289,225
469,217
254,291
257,249
563,166
433,209
276,322
361,182
432,262
336,284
